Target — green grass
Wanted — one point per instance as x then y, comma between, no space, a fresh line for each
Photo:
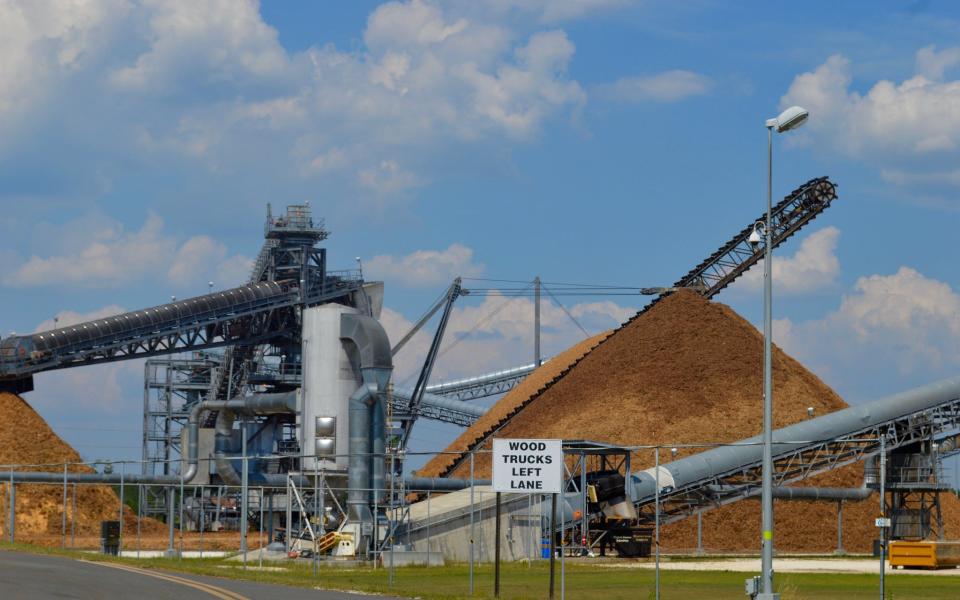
530,581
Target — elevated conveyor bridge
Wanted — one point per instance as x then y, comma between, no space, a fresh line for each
730,473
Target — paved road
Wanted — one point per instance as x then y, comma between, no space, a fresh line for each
38,577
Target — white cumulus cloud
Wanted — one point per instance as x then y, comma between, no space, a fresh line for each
425,267
669,86
916,116
903,322
113,256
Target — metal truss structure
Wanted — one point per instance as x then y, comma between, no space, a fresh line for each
399,408
798,460
731,260
170,386
481,386
248,314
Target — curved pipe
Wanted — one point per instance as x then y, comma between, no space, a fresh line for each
257,404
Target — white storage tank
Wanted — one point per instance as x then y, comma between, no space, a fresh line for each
329,379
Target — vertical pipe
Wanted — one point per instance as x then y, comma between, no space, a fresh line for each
584,531
63,524
883,512
656,522
317,516
472,529
536,321
766,576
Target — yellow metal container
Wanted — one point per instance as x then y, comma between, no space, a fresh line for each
925,555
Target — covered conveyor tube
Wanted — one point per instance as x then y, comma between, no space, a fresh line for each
459,406
725,459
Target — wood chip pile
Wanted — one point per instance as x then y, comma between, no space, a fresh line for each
26,439
688,371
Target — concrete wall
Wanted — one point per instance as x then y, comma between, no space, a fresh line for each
442,524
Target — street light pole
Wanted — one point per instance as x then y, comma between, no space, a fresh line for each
789,119
766,560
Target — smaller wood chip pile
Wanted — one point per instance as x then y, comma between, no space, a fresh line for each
688,371
26,439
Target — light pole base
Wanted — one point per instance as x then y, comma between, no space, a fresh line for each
773,596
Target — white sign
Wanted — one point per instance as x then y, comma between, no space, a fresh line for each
882,522
528,466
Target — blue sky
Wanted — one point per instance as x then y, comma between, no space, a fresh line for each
594,141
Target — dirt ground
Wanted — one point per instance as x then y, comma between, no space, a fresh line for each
191,540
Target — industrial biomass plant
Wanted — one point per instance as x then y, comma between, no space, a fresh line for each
293,371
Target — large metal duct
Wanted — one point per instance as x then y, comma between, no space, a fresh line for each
725,459
365,471
257,404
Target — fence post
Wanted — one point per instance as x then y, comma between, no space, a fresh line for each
63,520
260,536
13,508
656,470
700,533
496,551
428,528
203,516
120,537
840,527
472,530
180,512
171,550
139,514
73,519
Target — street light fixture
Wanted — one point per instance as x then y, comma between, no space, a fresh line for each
791,118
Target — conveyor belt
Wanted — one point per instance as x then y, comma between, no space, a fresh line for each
716,272
247,314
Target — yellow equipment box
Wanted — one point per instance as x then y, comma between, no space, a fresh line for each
925,555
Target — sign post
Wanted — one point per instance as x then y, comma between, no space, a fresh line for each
527,466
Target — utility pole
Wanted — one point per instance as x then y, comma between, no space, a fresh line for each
536,321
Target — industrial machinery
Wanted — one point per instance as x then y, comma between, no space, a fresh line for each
293,369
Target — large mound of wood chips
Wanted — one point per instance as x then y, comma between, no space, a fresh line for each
688,371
